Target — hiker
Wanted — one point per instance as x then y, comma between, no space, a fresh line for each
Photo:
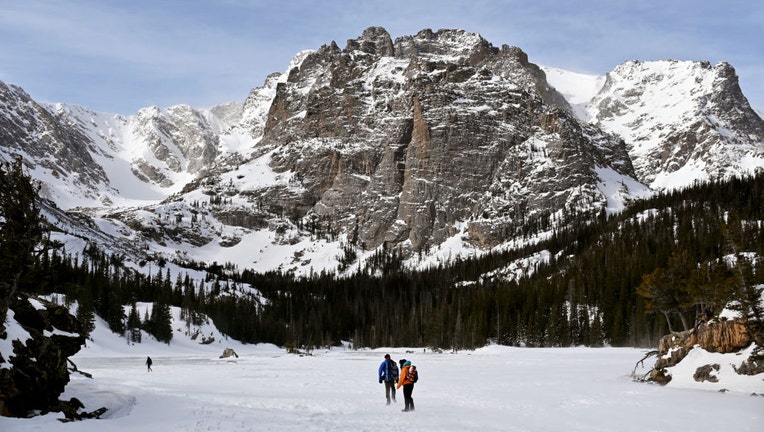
148,363
408,377
388,373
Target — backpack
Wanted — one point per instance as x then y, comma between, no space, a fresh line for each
393,368
413,375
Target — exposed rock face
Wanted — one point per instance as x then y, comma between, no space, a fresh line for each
81,148
178,136
724,336
38,369
721,337
374,40
45,137
718,336
444,132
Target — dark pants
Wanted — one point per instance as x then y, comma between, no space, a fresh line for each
407,390
389,389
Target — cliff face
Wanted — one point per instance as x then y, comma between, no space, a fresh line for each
47,141
431,136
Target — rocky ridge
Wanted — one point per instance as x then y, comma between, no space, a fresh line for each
431,138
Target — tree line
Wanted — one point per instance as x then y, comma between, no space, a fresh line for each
624,280
703,245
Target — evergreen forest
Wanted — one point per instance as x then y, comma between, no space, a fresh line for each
621,280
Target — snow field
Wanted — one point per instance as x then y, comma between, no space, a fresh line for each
491,389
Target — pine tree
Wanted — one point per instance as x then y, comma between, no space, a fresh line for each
161,322
85,314
134,324
748,300
23,233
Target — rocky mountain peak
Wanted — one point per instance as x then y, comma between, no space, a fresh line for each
431,138
682,120
401,150
374,40
51,140
449,44
180,137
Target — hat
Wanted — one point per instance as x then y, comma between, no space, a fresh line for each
387,356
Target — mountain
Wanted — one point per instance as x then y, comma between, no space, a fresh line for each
682,121
436,145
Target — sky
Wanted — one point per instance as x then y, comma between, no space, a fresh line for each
118,57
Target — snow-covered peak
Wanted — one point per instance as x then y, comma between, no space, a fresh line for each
683,121
297,60
666,89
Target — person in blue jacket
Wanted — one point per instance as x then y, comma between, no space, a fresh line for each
388,374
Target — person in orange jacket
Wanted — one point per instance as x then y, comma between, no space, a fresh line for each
407,378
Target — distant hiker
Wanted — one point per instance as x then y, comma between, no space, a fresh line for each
388,373
408,377
148,363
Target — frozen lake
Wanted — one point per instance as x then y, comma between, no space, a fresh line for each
491,389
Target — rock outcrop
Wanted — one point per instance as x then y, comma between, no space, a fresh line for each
714,336
34,374
442,135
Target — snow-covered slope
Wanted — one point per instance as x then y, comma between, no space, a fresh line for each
87,159
577,88
187,339
150,155
683,121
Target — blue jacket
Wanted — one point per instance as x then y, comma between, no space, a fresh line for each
388,371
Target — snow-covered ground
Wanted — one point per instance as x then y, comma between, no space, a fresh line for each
491,389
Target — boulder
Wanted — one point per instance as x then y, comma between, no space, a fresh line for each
229,352
706,373
724,336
